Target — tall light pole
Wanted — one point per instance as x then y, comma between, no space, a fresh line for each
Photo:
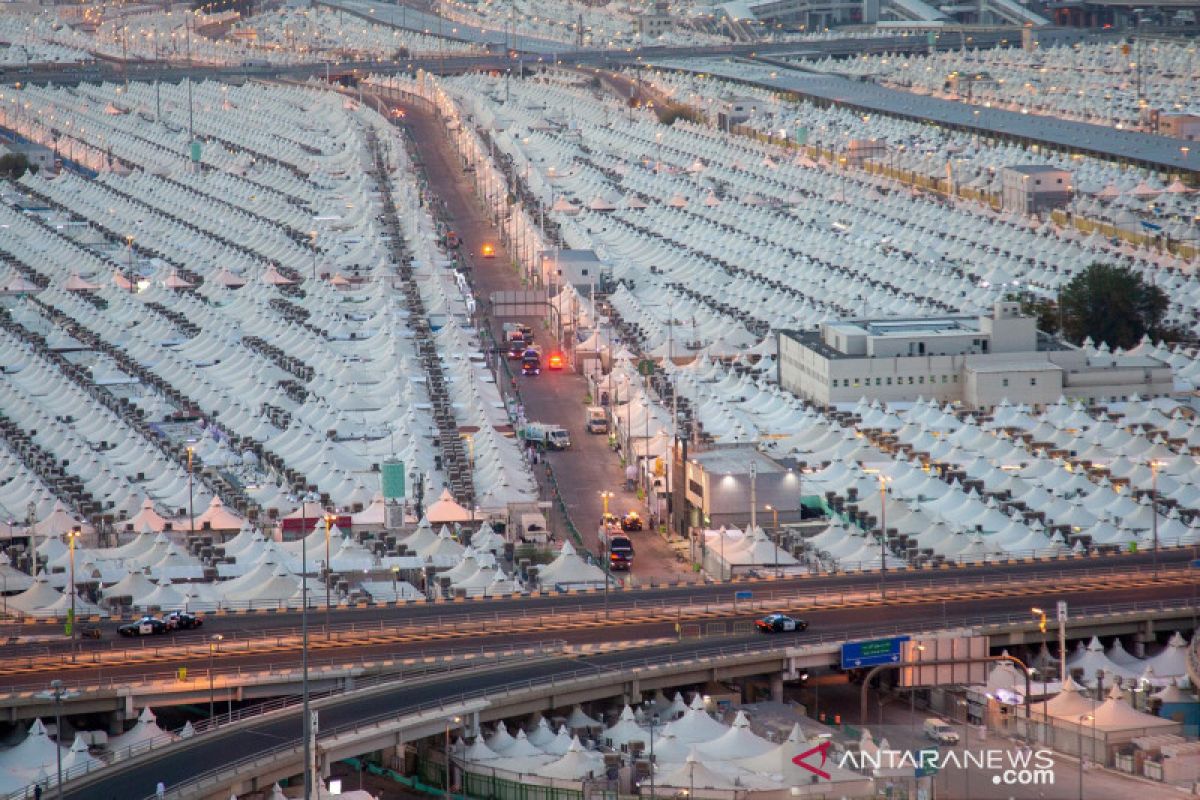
329,518
753,495
1083,719
191,508
72,537
775,527
306,723
1154,464
455,722
56,686
883,537
212,642
1041,615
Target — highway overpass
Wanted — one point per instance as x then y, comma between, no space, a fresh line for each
397,711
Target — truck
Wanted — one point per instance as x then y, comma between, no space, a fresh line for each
596,419
546,437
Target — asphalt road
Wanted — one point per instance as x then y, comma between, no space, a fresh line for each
825,622
448,613
176,765
589,466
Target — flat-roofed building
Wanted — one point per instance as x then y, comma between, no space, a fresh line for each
977,361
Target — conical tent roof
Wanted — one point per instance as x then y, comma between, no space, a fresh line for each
1068,703
578,720
541,735
219,518
1172,661
626,730
37,598
34,751
569,568
445,509
737,742
575,764
561,743
479,751
521,747
692,774
501,740
696,726
1114,714
145,730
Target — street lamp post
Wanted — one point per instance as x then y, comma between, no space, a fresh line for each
452,721
1154,464
1082,719
212,642
306,722
72,537
191,508
1041,615
56,686
883,537
775,527
328,572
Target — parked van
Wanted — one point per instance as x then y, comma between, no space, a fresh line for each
940,732
597,420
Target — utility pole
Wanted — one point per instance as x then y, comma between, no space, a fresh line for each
753,495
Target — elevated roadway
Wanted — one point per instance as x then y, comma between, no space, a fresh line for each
390,714
1006,619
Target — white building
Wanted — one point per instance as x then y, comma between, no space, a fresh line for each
975,361
1032,189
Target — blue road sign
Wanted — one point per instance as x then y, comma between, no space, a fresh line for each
873,653
1196,564
743,595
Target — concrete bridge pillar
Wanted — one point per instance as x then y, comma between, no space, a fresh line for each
777,687
116,723
633,692
1145,633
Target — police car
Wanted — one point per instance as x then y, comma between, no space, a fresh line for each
780,623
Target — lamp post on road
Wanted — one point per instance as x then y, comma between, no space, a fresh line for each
72,538
455,722
329,519
775,528
212,643
883,537
1041,616
1083,719
191,508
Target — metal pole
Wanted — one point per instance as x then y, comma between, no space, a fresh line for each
328,574
307,720
211,703
753,496
191,507
882,538
74,534
1154,510
57,686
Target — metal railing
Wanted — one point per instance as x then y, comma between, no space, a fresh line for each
223,721
242,674
554,683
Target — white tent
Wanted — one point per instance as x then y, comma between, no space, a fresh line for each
577,763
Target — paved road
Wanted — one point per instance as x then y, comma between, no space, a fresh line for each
591,628
1153,150
253,624
590,466
176,765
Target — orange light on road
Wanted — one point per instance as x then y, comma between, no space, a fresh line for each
489,250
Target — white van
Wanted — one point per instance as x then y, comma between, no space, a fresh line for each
597,420
940,732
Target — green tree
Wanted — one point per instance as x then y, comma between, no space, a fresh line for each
1046,311
1111,304
13,165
